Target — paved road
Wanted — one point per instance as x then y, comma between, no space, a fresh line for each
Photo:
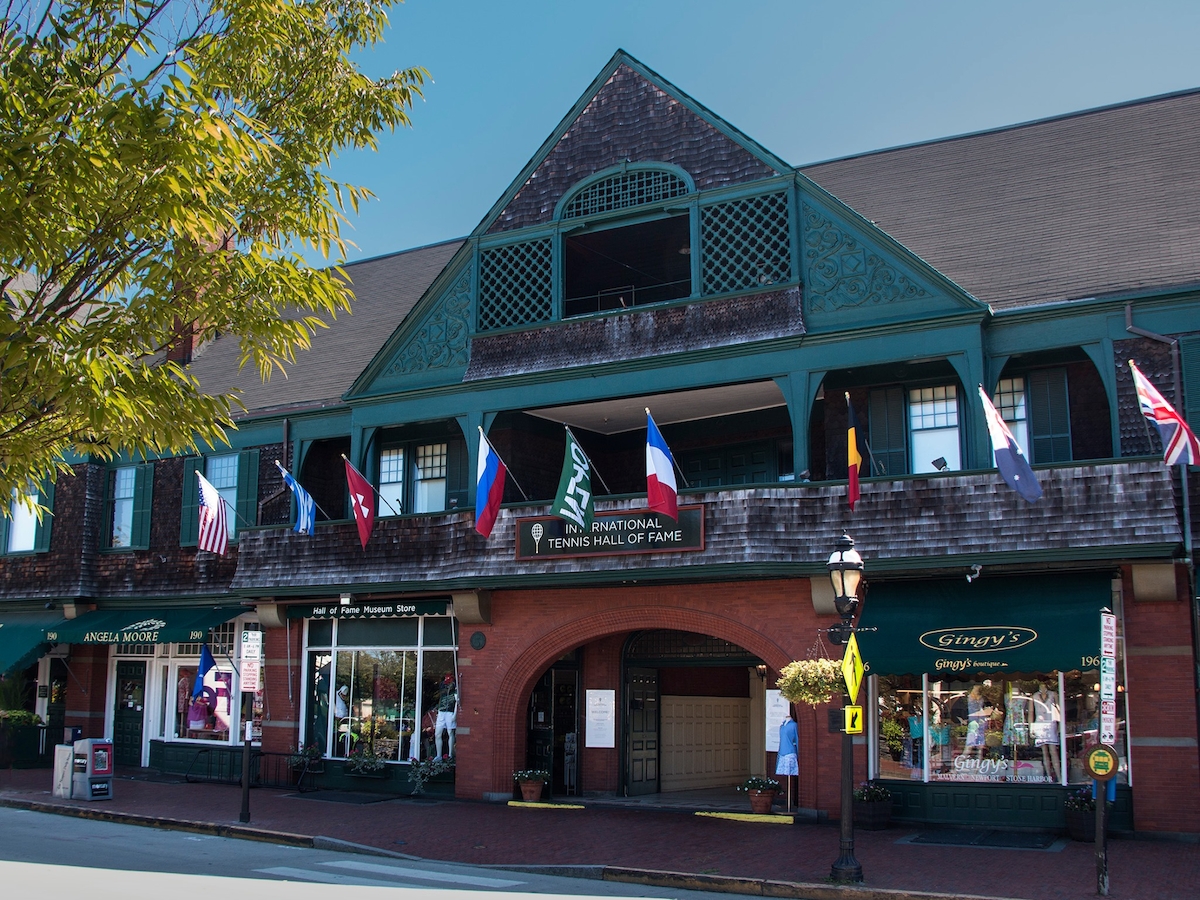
65,856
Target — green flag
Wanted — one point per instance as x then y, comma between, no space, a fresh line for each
573,502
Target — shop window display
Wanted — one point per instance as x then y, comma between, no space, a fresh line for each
383,701
1017,728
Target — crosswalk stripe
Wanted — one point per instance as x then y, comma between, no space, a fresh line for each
423,874
294,874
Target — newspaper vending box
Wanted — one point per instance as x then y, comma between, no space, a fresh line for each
93,775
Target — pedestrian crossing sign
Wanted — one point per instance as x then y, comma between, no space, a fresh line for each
852,669
854,719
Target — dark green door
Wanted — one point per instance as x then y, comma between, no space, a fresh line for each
642,728
129,713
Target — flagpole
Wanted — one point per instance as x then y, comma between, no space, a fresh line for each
672,455
591,462
507,467
314,499
374,489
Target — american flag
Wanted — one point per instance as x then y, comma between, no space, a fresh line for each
1179,444
214,532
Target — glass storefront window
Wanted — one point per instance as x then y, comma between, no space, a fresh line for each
1030,728
377,689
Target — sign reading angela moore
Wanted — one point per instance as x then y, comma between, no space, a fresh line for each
638,531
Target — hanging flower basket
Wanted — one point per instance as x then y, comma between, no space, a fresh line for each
811,681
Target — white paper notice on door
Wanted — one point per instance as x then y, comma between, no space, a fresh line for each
778,709
601,719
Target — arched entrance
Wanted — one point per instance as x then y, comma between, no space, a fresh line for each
687,714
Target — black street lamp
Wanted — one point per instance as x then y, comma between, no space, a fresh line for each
845,571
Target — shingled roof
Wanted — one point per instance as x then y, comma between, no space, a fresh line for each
385,291
1099,202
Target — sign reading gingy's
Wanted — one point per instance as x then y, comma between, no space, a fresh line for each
611,534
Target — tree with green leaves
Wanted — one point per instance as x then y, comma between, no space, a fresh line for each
161,162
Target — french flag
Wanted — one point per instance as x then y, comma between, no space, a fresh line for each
489,486
660,473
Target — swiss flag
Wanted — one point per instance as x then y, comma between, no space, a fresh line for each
362,501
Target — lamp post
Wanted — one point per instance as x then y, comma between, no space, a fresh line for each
845,571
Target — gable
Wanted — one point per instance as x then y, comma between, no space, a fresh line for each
855,275
632,119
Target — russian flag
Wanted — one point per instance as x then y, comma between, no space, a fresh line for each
489,486
661,492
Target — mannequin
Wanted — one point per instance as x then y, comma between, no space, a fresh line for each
977,717
786,761
447,715
1045,729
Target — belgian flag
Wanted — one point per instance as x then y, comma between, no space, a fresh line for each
854,454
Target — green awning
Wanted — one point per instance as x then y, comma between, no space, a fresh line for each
1026,624
23,637
141,626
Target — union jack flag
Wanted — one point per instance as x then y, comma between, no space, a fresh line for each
1180,446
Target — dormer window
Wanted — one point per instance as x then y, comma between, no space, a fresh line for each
611,265
624,267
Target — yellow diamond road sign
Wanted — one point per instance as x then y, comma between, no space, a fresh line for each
852,669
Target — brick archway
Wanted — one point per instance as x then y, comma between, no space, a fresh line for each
508,741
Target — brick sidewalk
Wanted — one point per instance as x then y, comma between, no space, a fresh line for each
496,834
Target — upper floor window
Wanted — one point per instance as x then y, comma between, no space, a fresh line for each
128,497
1036,407
391,480
22,531
627,266
914,430
222,473
933,422
422,476
235,476
23,522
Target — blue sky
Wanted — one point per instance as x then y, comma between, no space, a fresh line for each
809,81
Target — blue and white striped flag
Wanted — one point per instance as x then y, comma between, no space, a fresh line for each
306,507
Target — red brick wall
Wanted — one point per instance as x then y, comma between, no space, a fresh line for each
281,697
530,629
1161,710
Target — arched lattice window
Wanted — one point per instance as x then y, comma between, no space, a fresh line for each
624,190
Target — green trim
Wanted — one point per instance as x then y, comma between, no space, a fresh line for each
189,523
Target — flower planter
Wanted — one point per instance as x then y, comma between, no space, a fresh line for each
1081,824
531,791
761,801
872,815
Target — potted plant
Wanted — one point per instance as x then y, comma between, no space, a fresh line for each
420,773
1079,811
762,791
531,782
307,757
872,806
893,737
811,681
364,761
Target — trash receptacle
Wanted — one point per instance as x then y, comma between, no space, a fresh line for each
93,769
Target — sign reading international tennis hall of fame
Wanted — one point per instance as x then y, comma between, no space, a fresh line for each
611,534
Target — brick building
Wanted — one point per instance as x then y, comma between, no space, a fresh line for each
651,256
